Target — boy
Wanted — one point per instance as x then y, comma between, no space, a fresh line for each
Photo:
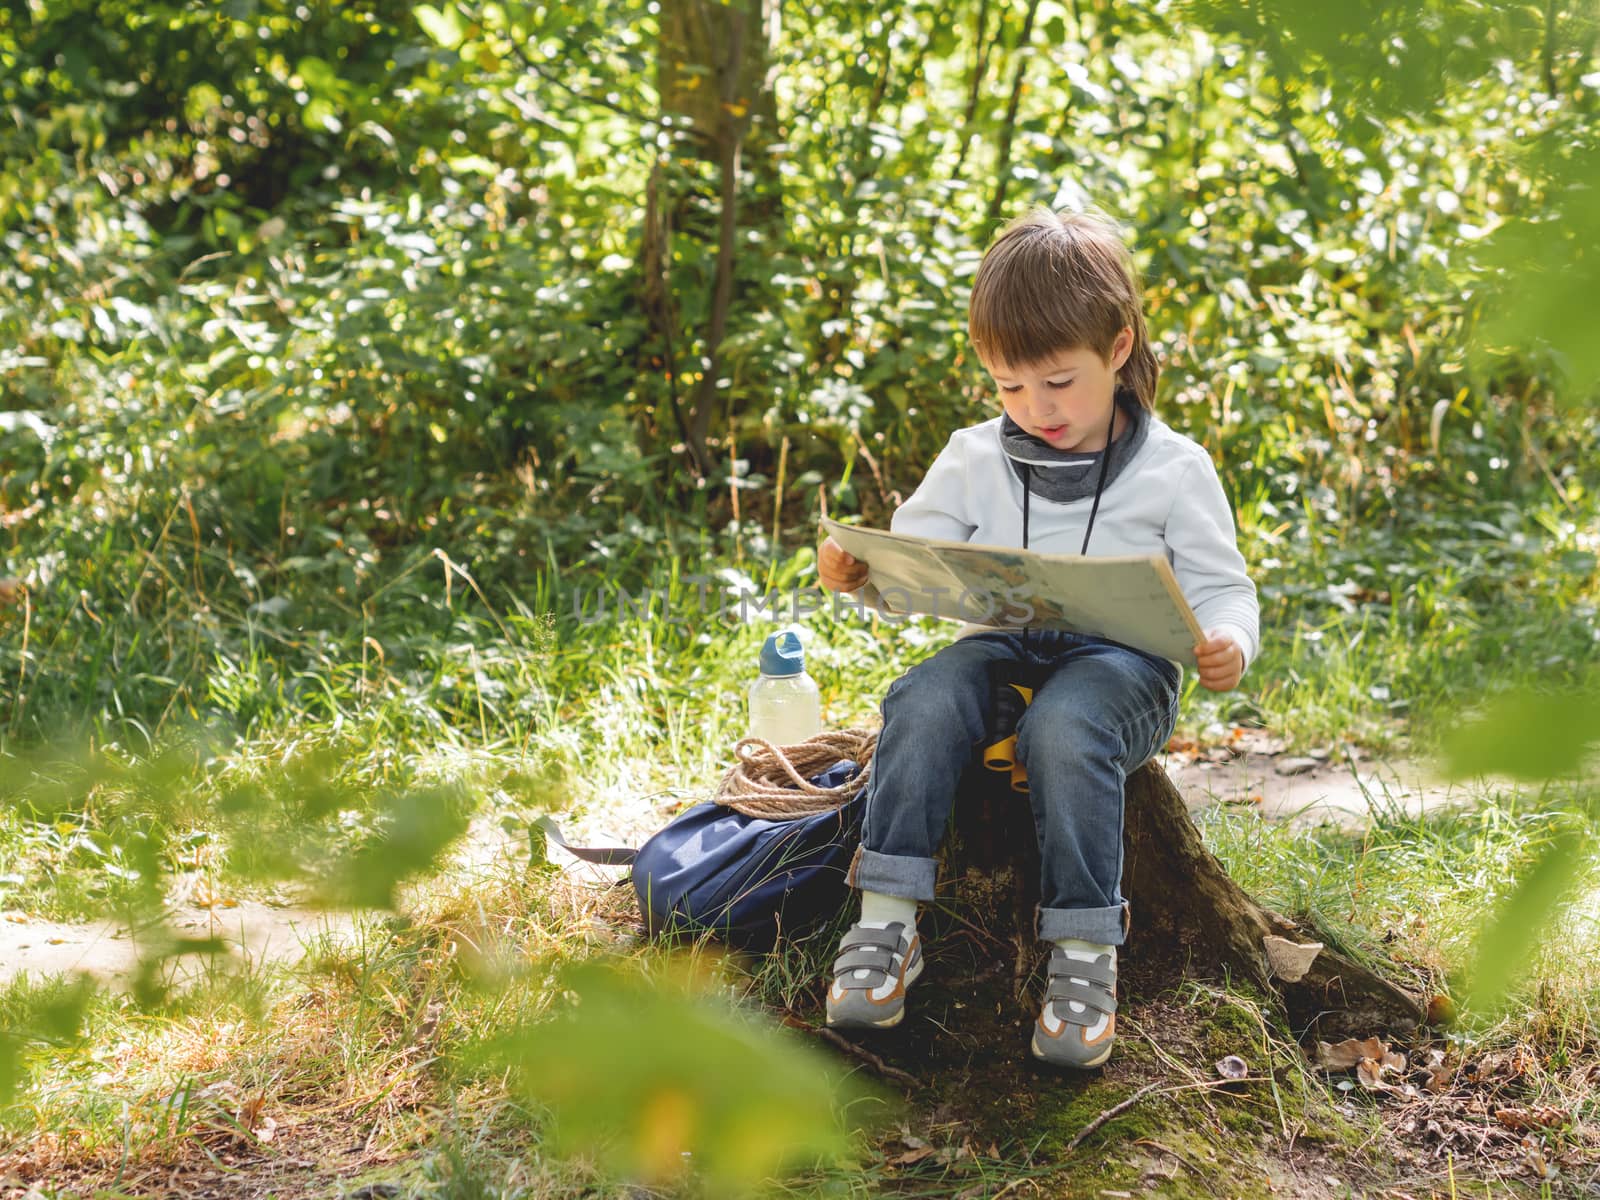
1077,453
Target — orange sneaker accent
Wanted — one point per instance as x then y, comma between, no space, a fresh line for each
1111,1028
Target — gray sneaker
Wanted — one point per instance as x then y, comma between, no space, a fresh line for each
870,976
1060,1035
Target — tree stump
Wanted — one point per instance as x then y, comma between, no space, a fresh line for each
1189,918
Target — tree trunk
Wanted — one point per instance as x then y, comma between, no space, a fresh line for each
1188,915
714,76
1008,129
696,74
980,70
655,302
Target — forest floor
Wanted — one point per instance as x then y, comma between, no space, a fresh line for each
964,1112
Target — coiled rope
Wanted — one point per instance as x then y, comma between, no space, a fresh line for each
773,782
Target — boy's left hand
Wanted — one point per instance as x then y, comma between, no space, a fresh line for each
1221,662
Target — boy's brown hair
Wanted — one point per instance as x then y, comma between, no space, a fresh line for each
1060,281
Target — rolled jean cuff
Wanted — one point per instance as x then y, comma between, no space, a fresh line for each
1102,926
901,875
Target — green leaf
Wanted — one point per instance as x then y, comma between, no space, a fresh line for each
656,1076
1508,941
52,1015
320,115
416,831
202,100
1545,273
443,26
319,77
1527,735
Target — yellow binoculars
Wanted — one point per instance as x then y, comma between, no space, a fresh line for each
1011,700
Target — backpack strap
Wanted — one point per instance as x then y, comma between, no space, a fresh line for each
606,856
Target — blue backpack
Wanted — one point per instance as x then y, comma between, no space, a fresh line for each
742,879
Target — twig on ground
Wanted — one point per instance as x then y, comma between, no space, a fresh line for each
1116,1110
868,1057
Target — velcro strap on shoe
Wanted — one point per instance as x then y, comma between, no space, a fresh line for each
1101,972
1095,999
863,960
867,937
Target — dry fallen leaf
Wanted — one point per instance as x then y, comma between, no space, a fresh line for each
912,1156
1341,1056
1369,1074
1393,1060
1501,1065
254,1120
1438,1081
1521,1120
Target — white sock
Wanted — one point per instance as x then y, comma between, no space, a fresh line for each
879,911
1082,952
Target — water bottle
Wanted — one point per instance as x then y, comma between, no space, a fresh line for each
785,703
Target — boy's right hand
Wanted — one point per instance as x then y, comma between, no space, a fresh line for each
838,570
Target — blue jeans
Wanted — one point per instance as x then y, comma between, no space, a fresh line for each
1102,713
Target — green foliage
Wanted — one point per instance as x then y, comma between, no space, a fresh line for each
1545,270
1388,57
1509,937
1538,735
332,378
1529,734
655,1076
49,1015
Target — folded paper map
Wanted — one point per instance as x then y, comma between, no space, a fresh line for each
1132,599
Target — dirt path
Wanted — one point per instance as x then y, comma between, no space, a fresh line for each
1343,787
255,933
1252,772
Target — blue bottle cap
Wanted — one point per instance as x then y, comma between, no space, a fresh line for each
782,654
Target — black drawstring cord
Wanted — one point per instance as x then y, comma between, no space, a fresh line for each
1027,494
1094,509
1105,461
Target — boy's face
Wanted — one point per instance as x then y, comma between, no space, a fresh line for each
1065,399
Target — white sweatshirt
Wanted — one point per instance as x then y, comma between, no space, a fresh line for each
1168,500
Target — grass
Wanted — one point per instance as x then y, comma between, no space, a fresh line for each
481,688
173,730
